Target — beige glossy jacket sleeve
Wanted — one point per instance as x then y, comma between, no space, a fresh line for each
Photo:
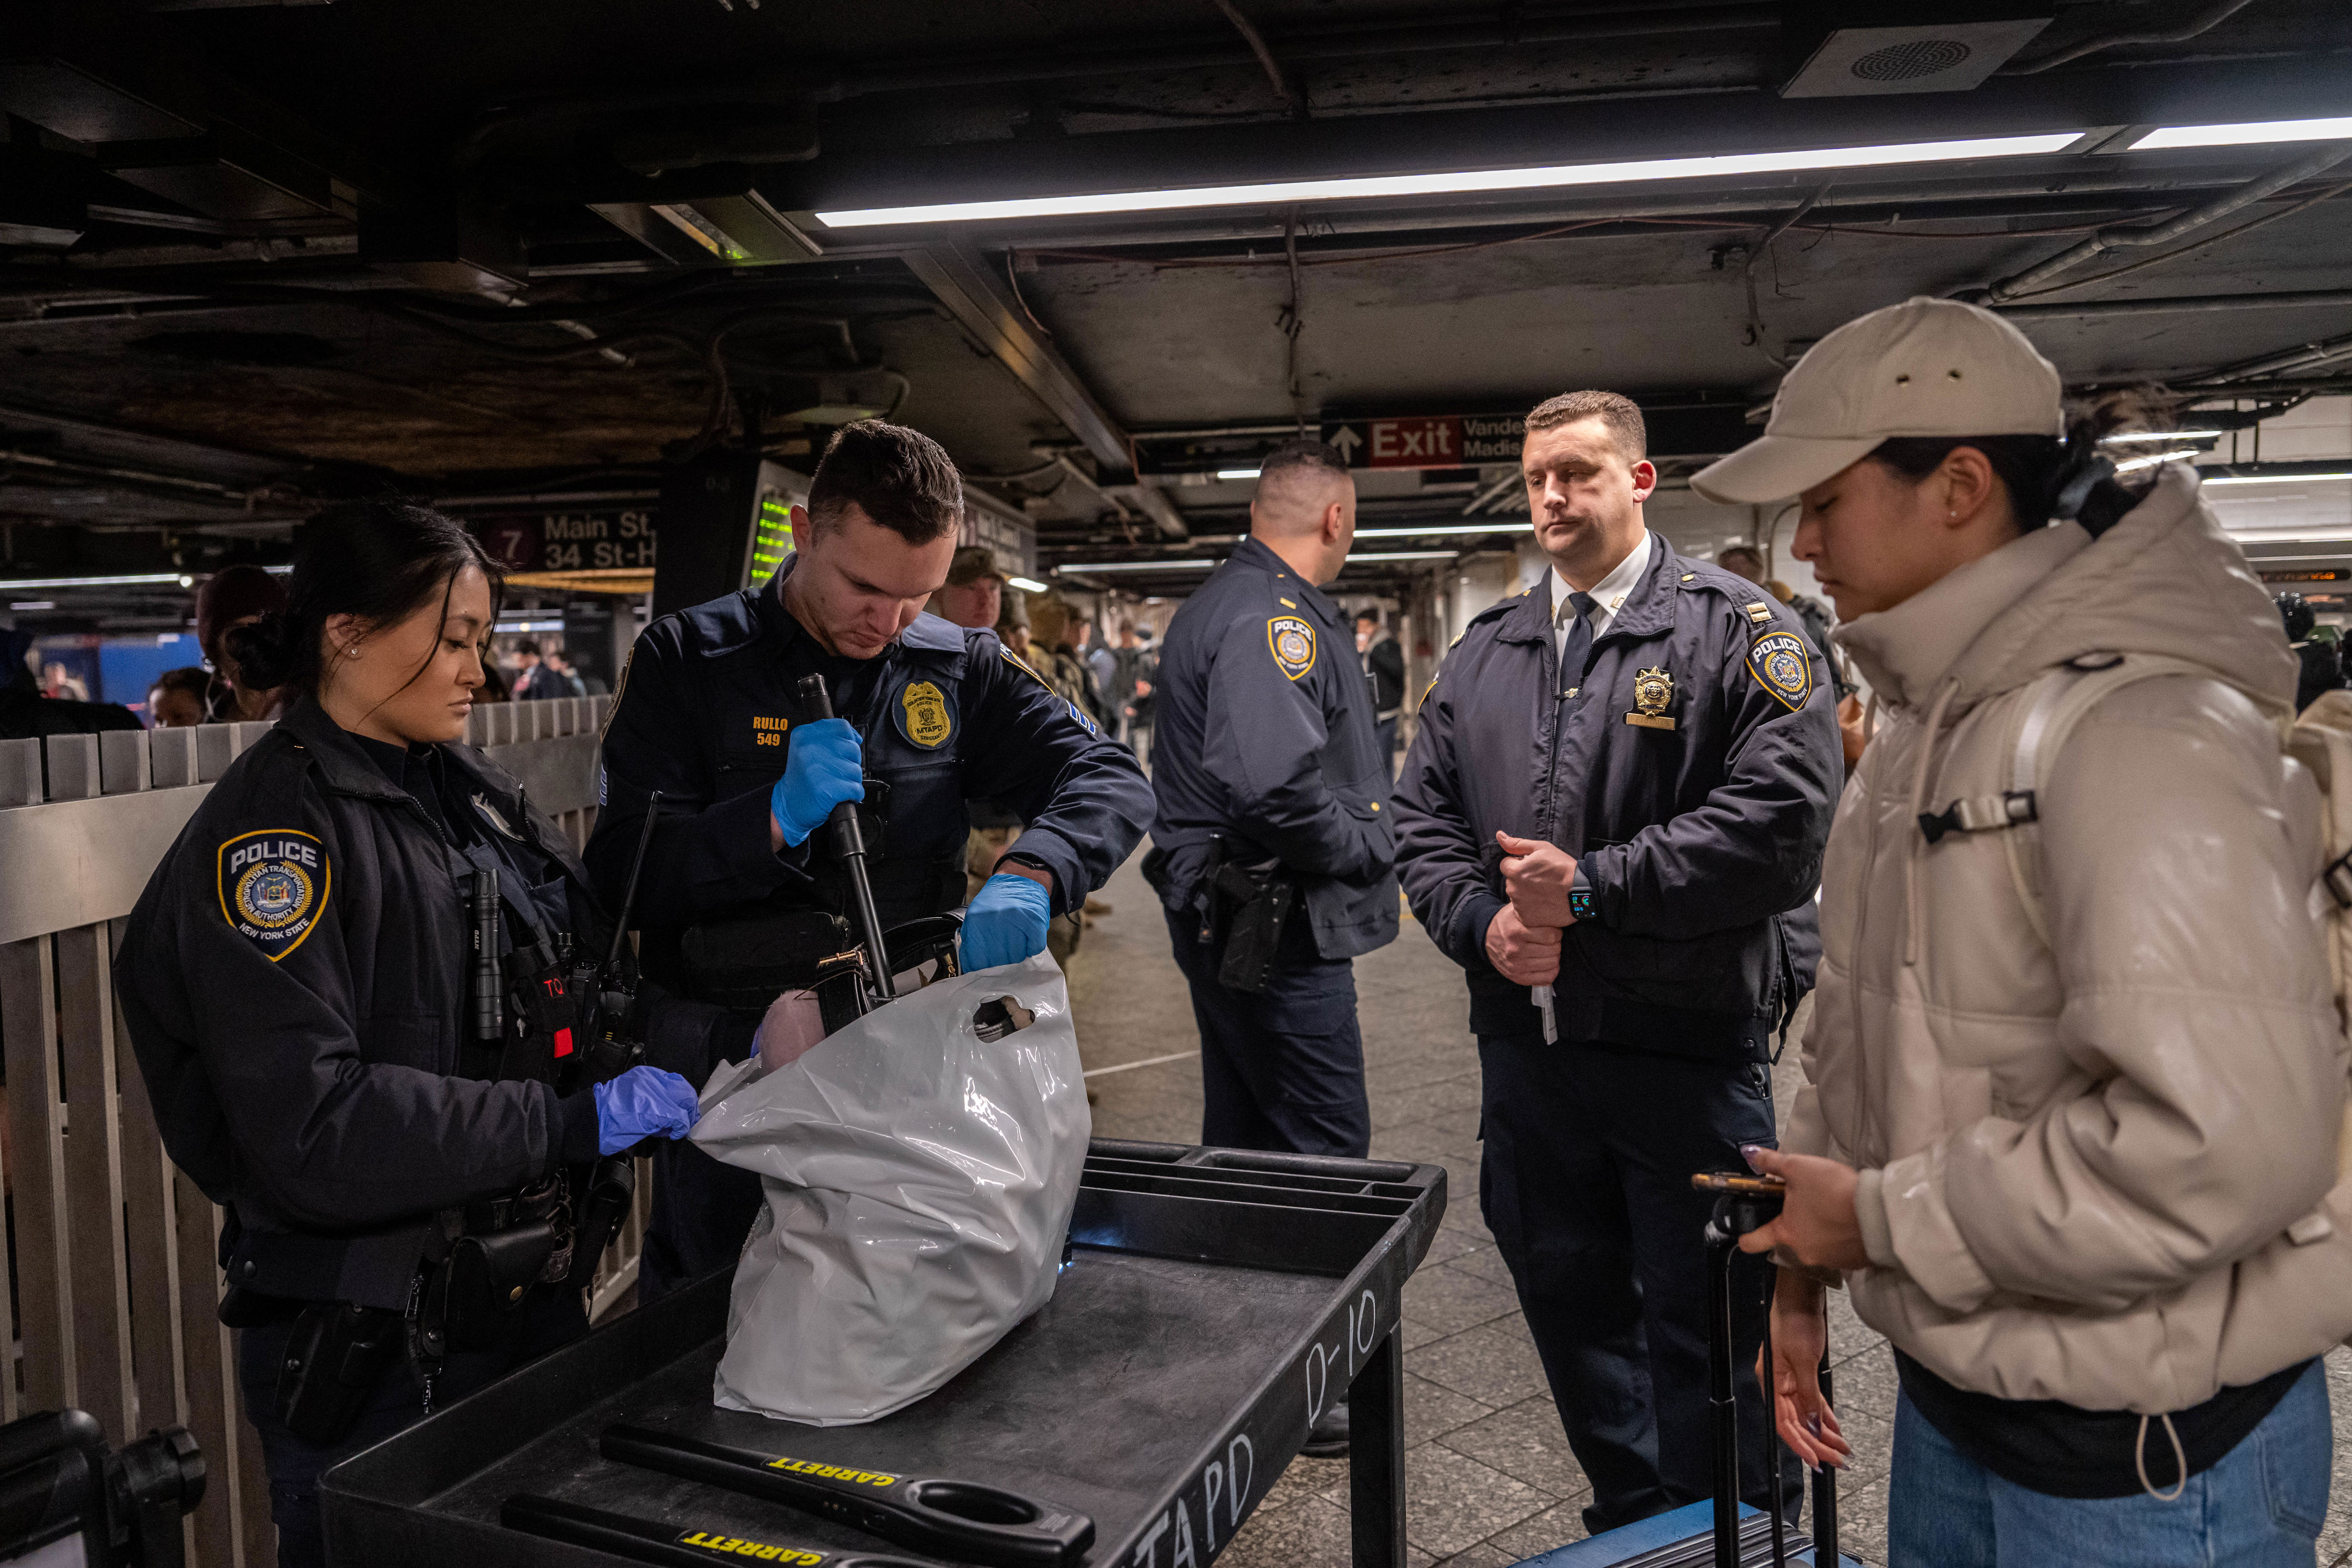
2197,1009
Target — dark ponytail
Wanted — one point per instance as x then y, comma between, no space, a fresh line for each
377,560
2046,477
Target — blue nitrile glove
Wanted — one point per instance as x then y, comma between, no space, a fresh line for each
825,766
642,1102
1006,921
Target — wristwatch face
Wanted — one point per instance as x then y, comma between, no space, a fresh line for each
1579,903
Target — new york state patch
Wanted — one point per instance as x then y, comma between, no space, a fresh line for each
1292,641
273,886
1783,664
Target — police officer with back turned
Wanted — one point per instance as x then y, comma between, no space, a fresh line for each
1272,849
930,715
1612,816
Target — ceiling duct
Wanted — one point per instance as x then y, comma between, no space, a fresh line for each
1852,51
730,231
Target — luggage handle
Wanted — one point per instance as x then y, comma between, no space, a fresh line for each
967,1520
1745,1203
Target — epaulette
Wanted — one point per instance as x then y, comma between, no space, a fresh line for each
722,627
933,633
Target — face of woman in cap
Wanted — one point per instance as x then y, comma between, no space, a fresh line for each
1874,537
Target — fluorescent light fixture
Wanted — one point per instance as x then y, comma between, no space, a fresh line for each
1026,585
34,605
1236,473
528,627
2129,435
2272,479
128,580
1186,563
1443,528
2153,458
1458,183
1401,555
2245,132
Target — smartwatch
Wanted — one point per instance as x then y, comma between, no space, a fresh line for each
1579,899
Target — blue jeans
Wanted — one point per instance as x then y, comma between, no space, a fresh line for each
2260,1508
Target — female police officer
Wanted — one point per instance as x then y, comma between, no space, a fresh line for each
295,979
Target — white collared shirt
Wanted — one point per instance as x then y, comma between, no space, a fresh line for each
1607,595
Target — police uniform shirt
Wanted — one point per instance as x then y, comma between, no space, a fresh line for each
1608,595
1263,736
706,713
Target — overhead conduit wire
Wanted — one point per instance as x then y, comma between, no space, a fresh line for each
1292,96
2330,193
2020,284
2212,17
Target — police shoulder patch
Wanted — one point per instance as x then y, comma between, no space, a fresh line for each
1292,641
924,714
273,886
1783,664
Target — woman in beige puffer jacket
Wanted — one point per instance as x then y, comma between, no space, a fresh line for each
2073,1156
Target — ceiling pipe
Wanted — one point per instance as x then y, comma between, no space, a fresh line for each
2184,305
2018,284
2210,17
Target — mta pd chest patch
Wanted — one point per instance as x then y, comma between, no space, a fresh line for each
273,886
924,715
1783,666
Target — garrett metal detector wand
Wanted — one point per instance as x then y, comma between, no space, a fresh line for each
849,843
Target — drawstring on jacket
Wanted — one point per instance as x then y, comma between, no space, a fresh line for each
1914,913
2179,1461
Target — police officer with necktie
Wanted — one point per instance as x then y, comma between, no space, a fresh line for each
1612,817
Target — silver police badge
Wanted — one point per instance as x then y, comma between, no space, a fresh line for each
272,886
1783,664
1293,642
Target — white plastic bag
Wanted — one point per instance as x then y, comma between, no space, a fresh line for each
918,1182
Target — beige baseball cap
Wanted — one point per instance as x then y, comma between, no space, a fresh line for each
1926,367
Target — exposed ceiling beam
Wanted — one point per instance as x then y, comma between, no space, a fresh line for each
959,277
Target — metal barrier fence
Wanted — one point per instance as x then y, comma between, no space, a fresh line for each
113,1283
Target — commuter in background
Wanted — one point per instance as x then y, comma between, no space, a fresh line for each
2322,663
26,714
1139,672
973,597
1073,676
1383,664
2074,1080
1611,816
176,700
235,596
1745,560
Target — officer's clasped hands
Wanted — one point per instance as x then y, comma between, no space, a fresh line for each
642,1102
1006,921
1523,939
824,767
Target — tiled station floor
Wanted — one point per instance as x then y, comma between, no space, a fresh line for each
1490,1478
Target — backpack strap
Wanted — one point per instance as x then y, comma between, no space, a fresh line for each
2055,704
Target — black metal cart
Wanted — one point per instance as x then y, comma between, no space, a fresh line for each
1213,1302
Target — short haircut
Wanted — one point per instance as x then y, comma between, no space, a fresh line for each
1371,615
1723,557
1614,409
528,646
193,680
899,477
1301,454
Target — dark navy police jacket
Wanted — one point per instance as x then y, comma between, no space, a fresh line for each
1265,735
706,714
1701,842
295,981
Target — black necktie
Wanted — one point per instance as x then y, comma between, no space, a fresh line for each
1579,644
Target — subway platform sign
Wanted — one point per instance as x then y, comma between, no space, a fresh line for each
1428,441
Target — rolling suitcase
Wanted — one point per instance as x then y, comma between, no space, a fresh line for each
1724,1532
